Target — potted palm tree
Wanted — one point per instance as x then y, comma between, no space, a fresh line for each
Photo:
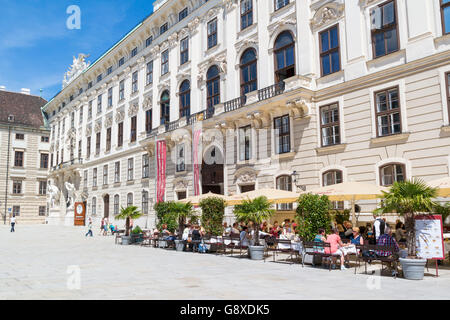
181,211
408,198
127,214
257,211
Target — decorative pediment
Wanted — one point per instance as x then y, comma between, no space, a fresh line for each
88,130
193,25
245,175
212,13
148,103
219,59
248,42
133,109
183,33
180,184
155,51
274,27
120,115
327,14
164,46
108,120
98,126
164,84
183,75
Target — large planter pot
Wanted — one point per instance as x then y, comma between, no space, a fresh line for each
413,269
126,240
179,245
256,252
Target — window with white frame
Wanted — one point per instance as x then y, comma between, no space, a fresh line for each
116,204
145,202
388,116
117,172
94,206
145,166
134,82
165,62
329,125
130,169
129,199
105,174
391,173
149,72
94,177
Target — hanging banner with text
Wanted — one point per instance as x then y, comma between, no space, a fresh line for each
197,135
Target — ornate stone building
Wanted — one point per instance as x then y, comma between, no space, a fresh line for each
288,94
24,157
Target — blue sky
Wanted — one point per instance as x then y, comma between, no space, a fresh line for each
36,47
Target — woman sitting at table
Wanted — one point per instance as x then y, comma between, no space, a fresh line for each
320,237
335,244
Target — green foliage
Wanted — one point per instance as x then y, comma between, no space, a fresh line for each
180,212
257,211
165,217
213,211
340,215
443,210
408,198
127,214
312,214
137,230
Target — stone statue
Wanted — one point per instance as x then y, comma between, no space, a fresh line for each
54,193
70,195
77,67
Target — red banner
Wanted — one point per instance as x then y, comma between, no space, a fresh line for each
197,135
161,170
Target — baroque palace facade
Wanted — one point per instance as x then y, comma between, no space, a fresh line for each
289,94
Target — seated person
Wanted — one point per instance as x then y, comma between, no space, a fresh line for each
245,237
356,238
320,237
234,230
112,228
335,242
388,240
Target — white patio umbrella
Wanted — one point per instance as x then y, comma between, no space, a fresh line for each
195,200
350,191
273,195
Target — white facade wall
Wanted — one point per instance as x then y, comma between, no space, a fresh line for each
418,68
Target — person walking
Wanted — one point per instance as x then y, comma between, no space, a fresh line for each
102,227
89,228
13,222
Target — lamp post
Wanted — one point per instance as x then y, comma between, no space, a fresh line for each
296,179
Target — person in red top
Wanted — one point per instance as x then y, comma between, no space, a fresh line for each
335,243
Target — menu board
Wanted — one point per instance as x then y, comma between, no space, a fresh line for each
430,237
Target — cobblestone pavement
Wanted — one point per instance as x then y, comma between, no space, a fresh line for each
42,262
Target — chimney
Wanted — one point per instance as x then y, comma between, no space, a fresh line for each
2,88
25,91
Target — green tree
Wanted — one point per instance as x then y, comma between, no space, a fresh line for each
127,214
408,198
180,211
165,216
213,211
257,211
312,215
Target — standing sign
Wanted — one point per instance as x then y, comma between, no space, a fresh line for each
80,214
430,237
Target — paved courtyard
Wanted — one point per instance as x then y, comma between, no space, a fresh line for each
44,262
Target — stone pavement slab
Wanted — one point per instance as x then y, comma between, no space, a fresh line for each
54,262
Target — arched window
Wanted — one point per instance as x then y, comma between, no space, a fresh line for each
284,183
185,99
284,52
165,107
213,86
94,206
129,199
392,172
333,177
249,75
116,204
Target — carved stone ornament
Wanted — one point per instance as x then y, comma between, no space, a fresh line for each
88,130
147,103
133,109
230,4
183,33
108,121
244,44
164,84
173,39
78,66
245,176
299,107
367,2
193,25
154,51
219,59
274,27
180,184
212,13
327,14
120,115
72,133
164,46
98,126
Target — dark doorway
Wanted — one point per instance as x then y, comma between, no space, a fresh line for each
212,172
247,188
106,206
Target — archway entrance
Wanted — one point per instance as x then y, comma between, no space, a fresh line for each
106,206
212,171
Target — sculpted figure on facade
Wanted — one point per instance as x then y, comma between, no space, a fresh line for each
70,194
54,194
77,67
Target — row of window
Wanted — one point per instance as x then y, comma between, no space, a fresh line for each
21,136
42,211
116,203
17,188
19,159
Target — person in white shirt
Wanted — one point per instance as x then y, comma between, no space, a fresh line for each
13,222
245,237
378,226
